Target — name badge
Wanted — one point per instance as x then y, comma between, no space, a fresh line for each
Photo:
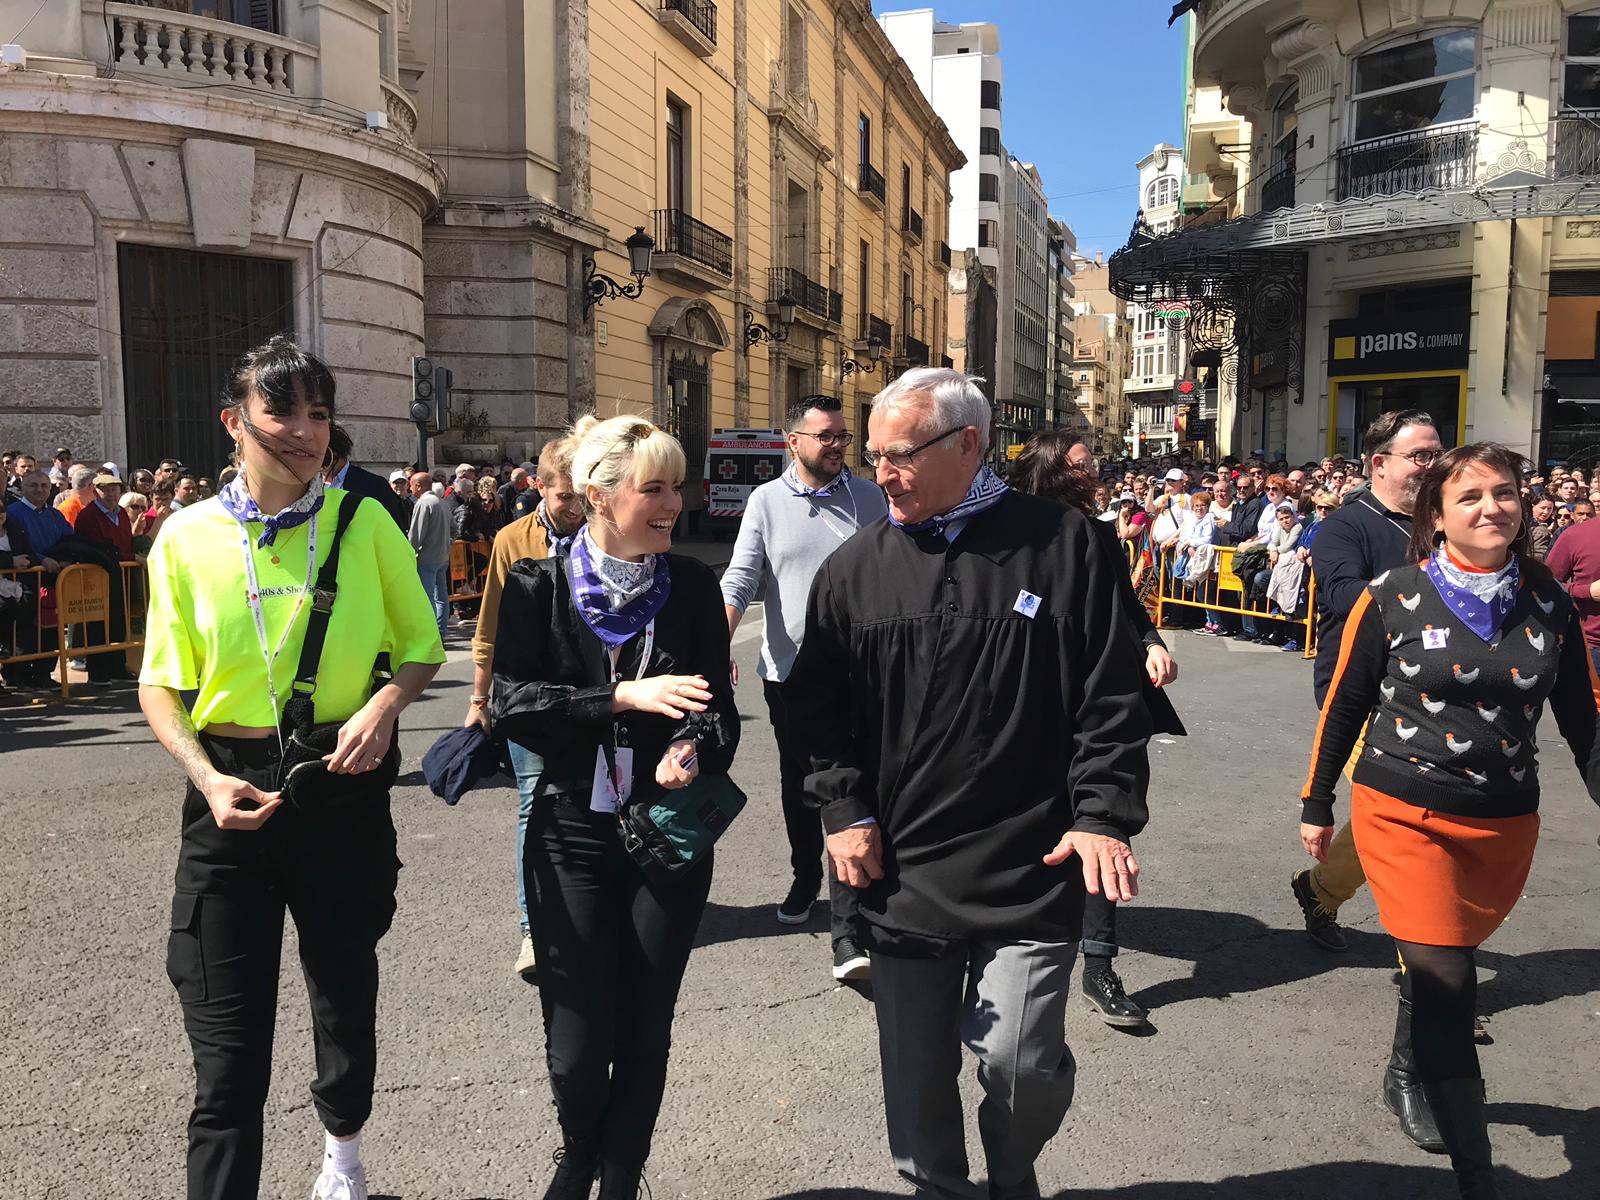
610,791
1027,604
1434,639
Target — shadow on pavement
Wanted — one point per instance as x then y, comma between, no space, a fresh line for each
1522,980
731,923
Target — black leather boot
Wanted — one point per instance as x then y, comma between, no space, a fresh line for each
576,1168
1458,1109
622,1183
1402,1091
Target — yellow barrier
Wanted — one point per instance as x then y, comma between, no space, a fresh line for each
469,567
1223,592
81,595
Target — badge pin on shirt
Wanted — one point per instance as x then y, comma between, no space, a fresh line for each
1434,639
1027,604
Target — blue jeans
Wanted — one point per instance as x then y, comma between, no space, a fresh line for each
528,767
436,583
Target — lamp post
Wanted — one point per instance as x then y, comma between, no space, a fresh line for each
598,288
756,333
849,366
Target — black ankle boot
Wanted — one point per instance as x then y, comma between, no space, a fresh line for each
1458,1109
576,1168
1402,1091
622,1183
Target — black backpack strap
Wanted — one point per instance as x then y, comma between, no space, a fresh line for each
323,594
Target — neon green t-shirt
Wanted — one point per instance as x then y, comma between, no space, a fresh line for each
200,635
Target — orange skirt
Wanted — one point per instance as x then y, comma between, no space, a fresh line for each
1440,879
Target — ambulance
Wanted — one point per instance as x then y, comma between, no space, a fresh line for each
737,462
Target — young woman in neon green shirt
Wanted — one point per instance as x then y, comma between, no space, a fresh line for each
230,583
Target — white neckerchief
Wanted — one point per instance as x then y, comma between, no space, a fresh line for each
818,496
622,580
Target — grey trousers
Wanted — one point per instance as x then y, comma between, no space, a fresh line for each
1007,1002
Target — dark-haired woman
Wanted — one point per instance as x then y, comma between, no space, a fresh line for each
1046,467
230,600
1453,659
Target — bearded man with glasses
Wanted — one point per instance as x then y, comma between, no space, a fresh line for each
790,526
970,691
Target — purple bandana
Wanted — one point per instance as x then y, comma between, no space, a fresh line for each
238,502
617,609
1479,600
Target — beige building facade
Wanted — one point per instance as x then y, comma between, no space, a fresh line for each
774,150
1101,346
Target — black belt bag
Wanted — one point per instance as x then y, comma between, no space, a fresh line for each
303,776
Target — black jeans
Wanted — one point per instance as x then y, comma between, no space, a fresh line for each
801,818
336,875
612,945
1099,927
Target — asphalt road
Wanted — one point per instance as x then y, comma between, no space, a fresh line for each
1261,1080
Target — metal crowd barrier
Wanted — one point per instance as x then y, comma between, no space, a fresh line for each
1223,592
469,567
79,598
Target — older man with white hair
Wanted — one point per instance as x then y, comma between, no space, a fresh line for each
971,696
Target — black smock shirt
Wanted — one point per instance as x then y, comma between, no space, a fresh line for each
975,735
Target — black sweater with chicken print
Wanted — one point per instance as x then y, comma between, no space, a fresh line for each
1450,719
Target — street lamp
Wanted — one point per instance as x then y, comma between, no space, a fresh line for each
849,366
756,333
598,288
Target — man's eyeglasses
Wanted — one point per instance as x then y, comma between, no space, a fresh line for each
900,460
828,438
1422,458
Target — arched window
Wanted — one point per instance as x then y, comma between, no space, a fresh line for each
1162,191
1426,80
1580,81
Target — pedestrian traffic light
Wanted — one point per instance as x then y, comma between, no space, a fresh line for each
422,389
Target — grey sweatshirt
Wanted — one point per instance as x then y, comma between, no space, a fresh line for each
430,530
783,540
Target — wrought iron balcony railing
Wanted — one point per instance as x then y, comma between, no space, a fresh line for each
1577,143
1426,161
948,363
1278,191
872,182
679,233
877,327
913,351
807,293
944,253
913,225
702,14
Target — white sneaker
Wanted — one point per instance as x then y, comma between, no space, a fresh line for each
527,965
331,1185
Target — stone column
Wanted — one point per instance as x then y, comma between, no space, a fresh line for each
741,210
572,193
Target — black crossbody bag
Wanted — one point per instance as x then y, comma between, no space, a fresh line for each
303,776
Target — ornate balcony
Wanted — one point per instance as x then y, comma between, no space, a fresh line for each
402,112
1430,160
692,22
824,305
876,327
1577,144
912,226
191,51
913,351
872,187
691,249
1278,191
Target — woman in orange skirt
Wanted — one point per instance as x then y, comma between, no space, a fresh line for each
1448,665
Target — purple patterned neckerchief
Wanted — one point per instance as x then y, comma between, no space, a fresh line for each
987,490
1480,600
791,480
238,501
613,619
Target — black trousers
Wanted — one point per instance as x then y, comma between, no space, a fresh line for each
801,819
612,946
335,874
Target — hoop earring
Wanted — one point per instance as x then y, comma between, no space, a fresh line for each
327,459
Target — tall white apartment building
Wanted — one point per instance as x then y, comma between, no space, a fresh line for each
1156,343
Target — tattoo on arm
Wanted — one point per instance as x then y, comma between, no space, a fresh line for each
174,729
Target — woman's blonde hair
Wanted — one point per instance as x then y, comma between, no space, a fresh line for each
622,450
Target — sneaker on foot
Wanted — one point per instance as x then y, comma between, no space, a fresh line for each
1103,990
1322,926
850,961
333,1185
1290,647
527,966
796,906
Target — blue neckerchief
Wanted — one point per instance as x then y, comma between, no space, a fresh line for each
560,546
615,623
1483,614
987,490
244,509
791,480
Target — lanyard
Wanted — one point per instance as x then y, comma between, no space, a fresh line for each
614,762
644,655
822,511
253,599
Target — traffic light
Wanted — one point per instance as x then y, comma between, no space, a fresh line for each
442,379
422,390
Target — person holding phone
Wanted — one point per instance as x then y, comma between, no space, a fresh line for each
231,599
611,682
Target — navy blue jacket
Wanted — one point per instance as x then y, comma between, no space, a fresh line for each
1357,542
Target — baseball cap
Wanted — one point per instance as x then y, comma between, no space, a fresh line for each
112,470
396,476
1175,476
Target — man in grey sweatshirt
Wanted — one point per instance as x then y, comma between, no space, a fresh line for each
791,525
430,538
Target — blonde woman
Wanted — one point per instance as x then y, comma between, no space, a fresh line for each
611,676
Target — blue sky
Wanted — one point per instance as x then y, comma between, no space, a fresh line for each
1090,87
